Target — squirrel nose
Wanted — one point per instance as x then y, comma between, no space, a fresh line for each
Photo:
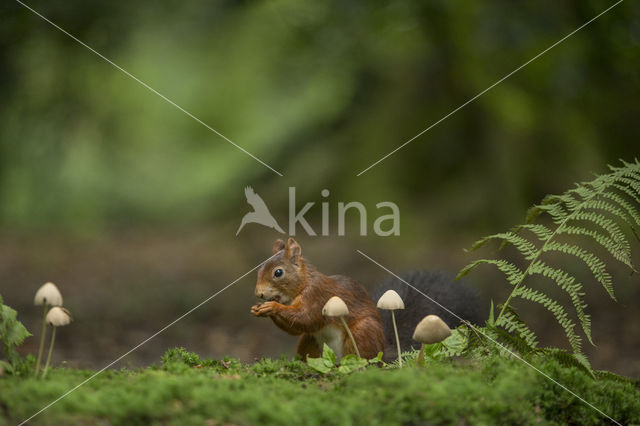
259,294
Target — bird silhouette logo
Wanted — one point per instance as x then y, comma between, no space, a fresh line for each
260,213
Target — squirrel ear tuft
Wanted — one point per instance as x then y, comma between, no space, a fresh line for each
293,250
278,245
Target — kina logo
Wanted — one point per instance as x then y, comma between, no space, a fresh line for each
260,213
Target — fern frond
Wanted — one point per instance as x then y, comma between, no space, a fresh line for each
630,183
612,228
567,199
608,375
626,205
631,194
595,264
584,190
569,360
606,206
628,169
511,271
525,339
511,342
569,284
627,178
542,232
556,211
524,246
601,211
556,309
623,254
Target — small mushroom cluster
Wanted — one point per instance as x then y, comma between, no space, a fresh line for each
54,314
431,329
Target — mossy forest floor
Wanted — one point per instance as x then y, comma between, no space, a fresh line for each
187,390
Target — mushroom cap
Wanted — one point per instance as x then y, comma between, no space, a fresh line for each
335,307
58,316
431,330
48,294
390,301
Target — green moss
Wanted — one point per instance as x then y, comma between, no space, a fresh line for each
186,390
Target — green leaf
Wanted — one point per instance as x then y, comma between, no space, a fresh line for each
377,359
318,364
455,344
350,363
325,363
12,333
328,355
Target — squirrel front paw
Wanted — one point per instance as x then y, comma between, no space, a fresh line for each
264,309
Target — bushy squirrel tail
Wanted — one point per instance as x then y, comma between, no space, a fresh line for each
456,296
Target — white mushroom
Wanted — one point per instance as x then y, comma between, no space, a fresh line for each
57,317
335,307
391,301
48,294
430,330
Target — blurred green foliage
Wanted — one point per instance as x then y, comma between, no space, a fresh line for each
12,334
319,90
495,390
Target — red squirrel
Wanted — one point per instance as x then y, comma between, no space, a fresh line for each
295,293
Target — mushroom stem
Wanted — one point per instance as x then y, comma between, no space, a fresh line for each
421,355
46,366
350,336
395,330
44,333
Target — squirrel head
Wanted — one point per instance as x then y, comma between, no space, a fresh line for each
282,278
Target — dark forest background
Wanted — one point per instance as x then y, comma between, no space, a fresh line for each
131,207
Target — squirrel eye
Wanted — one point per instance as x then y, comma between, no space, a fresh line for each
278,273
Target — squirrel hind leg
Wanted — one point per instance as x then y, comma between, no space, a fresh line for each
308,346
